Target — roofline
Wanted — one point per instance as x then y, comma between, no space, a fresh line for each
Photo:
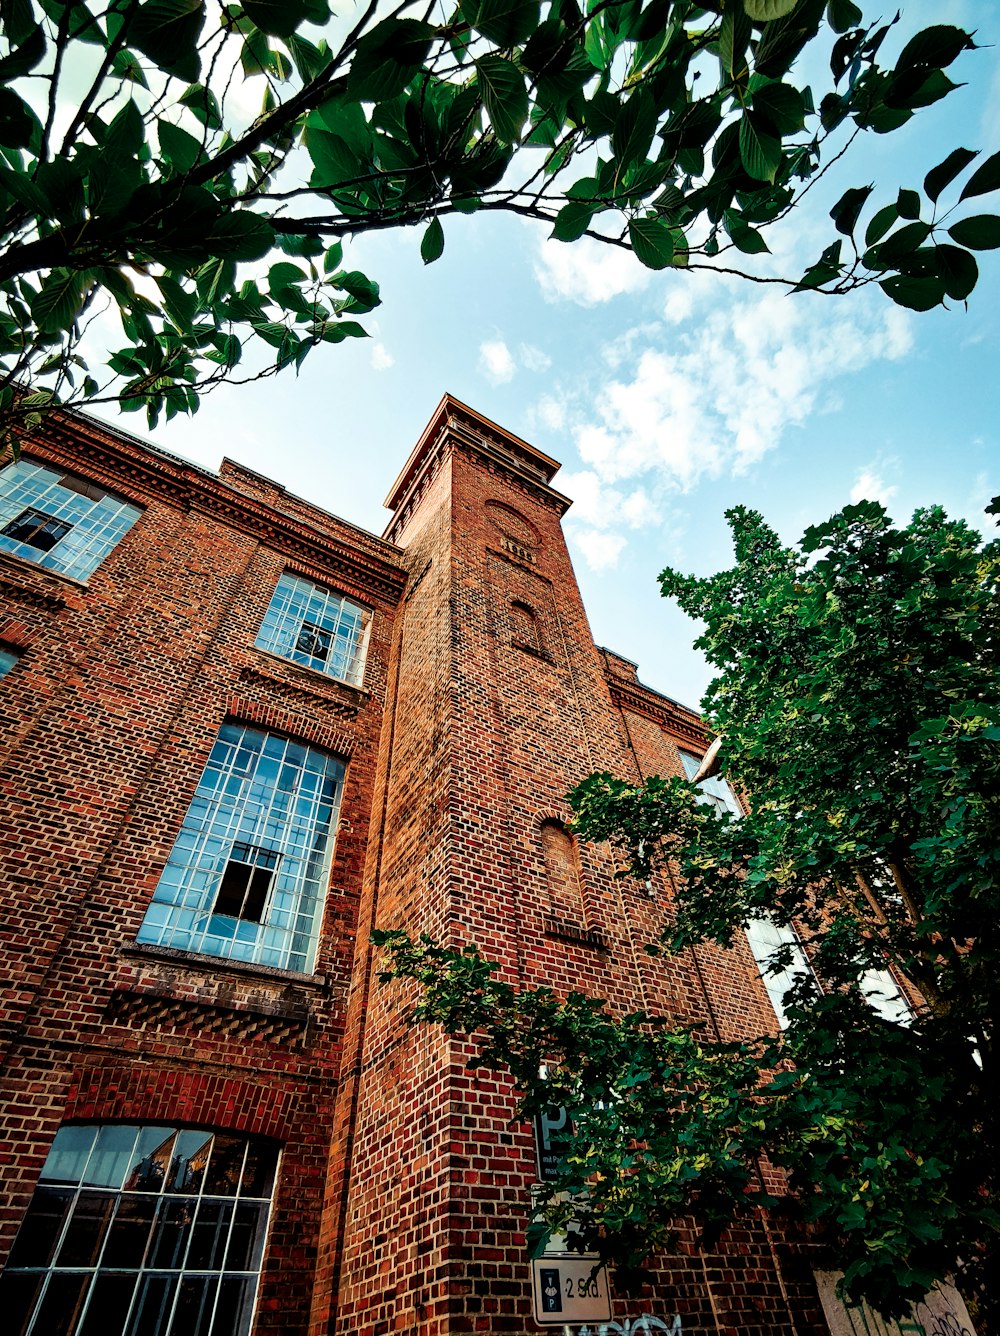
447,408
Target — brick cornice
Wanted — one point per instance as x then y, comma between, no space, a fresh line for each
80,443
640,699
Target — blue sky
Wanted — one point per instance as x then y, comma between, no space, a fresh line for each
667,397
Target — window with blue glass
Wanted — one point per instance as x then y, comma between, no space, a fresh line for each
59,520
316,627
8,658
141,1231
247,877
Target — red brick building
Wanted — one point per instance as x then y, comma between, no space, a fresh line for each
236,733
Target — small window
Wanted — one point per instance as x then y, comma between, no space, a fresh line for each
60,521
246,882
714,792
8,658
316,627
153,1231
767,939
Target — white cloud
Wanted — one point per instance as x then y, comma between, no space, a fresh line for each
382,358
871,486
532,358
601,550
679,304
551,413
587,272
496,362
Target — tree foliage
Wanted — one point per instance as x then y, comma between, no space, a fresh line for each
194,167
858,700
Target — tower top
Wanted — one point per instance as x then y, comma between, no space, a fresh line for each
451,414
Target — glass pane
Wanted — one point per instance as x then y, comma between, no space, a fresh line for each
231,1315
108,1305
191,1152
151,1160
170,1234
41,1227
112,1157
193,1314
129,1233
82,1241
61,1304
246,1233
68,1157
258,1170
153,1306
222,1178
18,1293
209,1236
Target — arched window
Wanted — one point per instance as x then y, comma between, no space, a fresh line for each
141,1231
525,625
562,869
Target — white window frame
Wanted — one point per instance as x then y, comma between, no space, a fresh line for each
203,1198
316,627
280,798
95,520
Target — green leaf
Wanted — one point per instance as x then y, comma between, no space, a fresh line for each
744,238
387,58
58,300
432,242
781,106
880,224
167,31
652,241
126,65
958,270
24,57
901,243
945,172
17,120
734,38
505,96
278,18
917,294
572,220
506,23
847,210
934,48
980,232
203,103
240,235
908,204
843,14
765,11
983,179
635,126
333,160
760,153
180,150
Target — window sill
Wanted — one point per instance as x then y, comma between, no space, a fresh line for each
572,932
312,677
22,565
219,965
533,650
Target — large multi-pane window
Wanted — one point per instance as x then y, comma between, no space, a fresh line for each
247,876
316,627
141,1231
767,938
59,520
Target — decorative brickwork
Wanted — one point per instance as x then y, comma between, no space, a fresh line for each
405,1181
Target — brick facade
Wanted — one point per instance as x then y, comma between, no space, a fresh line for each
404,1184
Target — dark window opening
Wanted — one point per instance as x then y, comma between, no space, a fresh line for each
36,529
245,883
314,641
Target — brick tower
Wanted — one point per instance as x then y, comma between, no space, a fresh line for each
498,703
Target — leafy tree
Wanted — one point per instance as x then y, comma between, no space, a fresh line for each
134,178
858,701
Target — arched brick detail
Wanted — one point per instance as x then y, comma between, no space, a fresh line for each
262,714
127,1094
